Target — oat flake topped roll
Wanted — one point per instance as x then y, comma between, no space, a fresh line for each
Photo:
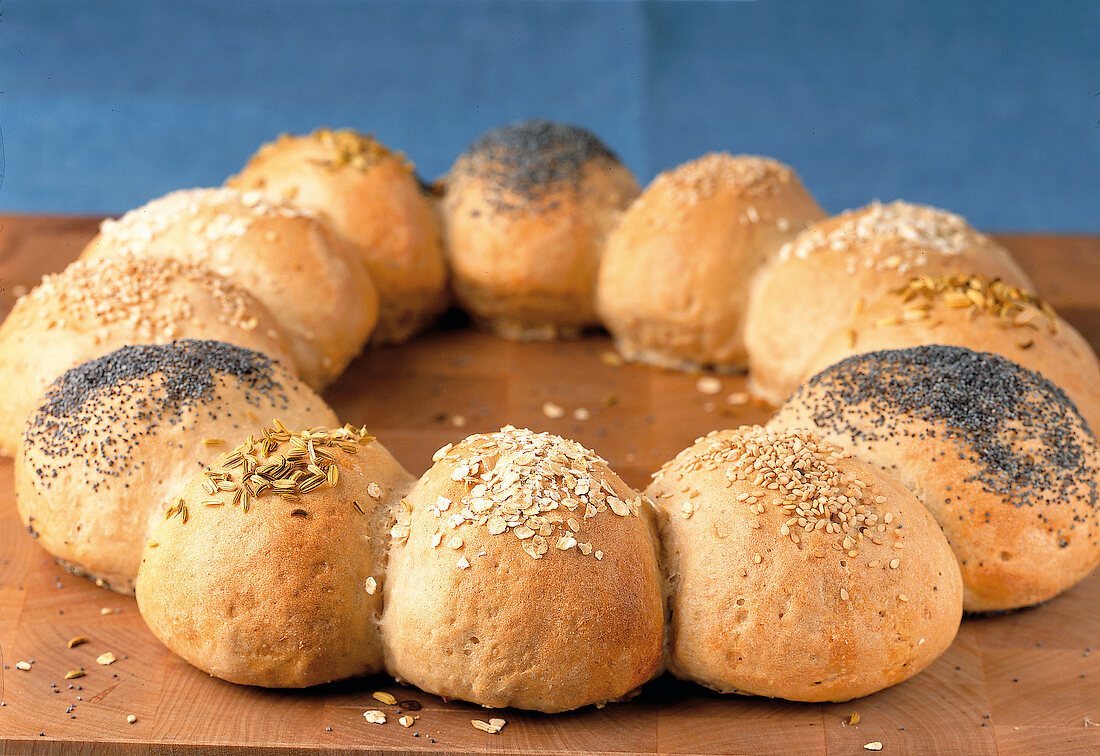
497,586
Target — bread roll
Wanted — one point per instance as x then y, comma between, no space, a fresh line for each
91,309
314,283
113,439
978,313
277,582
525,575
798,572
371,197
675,276
526,211
812,287
997,453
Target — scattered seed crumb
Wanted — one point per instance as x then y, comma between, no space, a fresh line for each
374,716
708,384
106,658
406,721
73,674
131,718
463,563
105,610
553,411
874,745
23,666
384,697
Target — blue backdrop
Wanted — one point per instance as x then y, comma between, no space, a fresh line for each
991,109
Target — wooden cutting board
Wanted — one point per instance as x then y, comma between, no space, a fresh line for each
1026,682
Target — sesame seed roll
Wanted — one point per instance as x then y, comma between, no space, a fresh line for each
307,276
797,571
675,275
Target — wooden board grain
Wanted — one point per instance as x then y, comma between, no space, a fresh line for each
1026,682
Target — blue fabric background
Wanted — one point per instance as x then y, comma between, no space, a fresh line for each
991,109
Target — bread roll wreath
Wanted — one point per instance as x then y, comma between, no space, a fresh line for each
280,549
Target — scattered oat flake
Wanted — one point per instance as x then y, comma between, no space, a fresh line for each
371,585
406,721
709,385
553,411
488,727
382,696
73,674
131,718
874,745
463,563
612,359
738,398
581,413
458,421
374,716
106,658
374,491
26,667
105,610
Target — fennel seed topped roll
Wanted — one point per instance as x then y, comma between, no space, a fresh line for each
268,568
371,196
809,290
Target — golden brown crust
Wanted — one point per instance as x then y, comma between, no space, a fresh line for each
674,278
997,453
788,578
271,590
526,212
492,605
978,313
310,280
812,286
371,197
114,438
90,309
